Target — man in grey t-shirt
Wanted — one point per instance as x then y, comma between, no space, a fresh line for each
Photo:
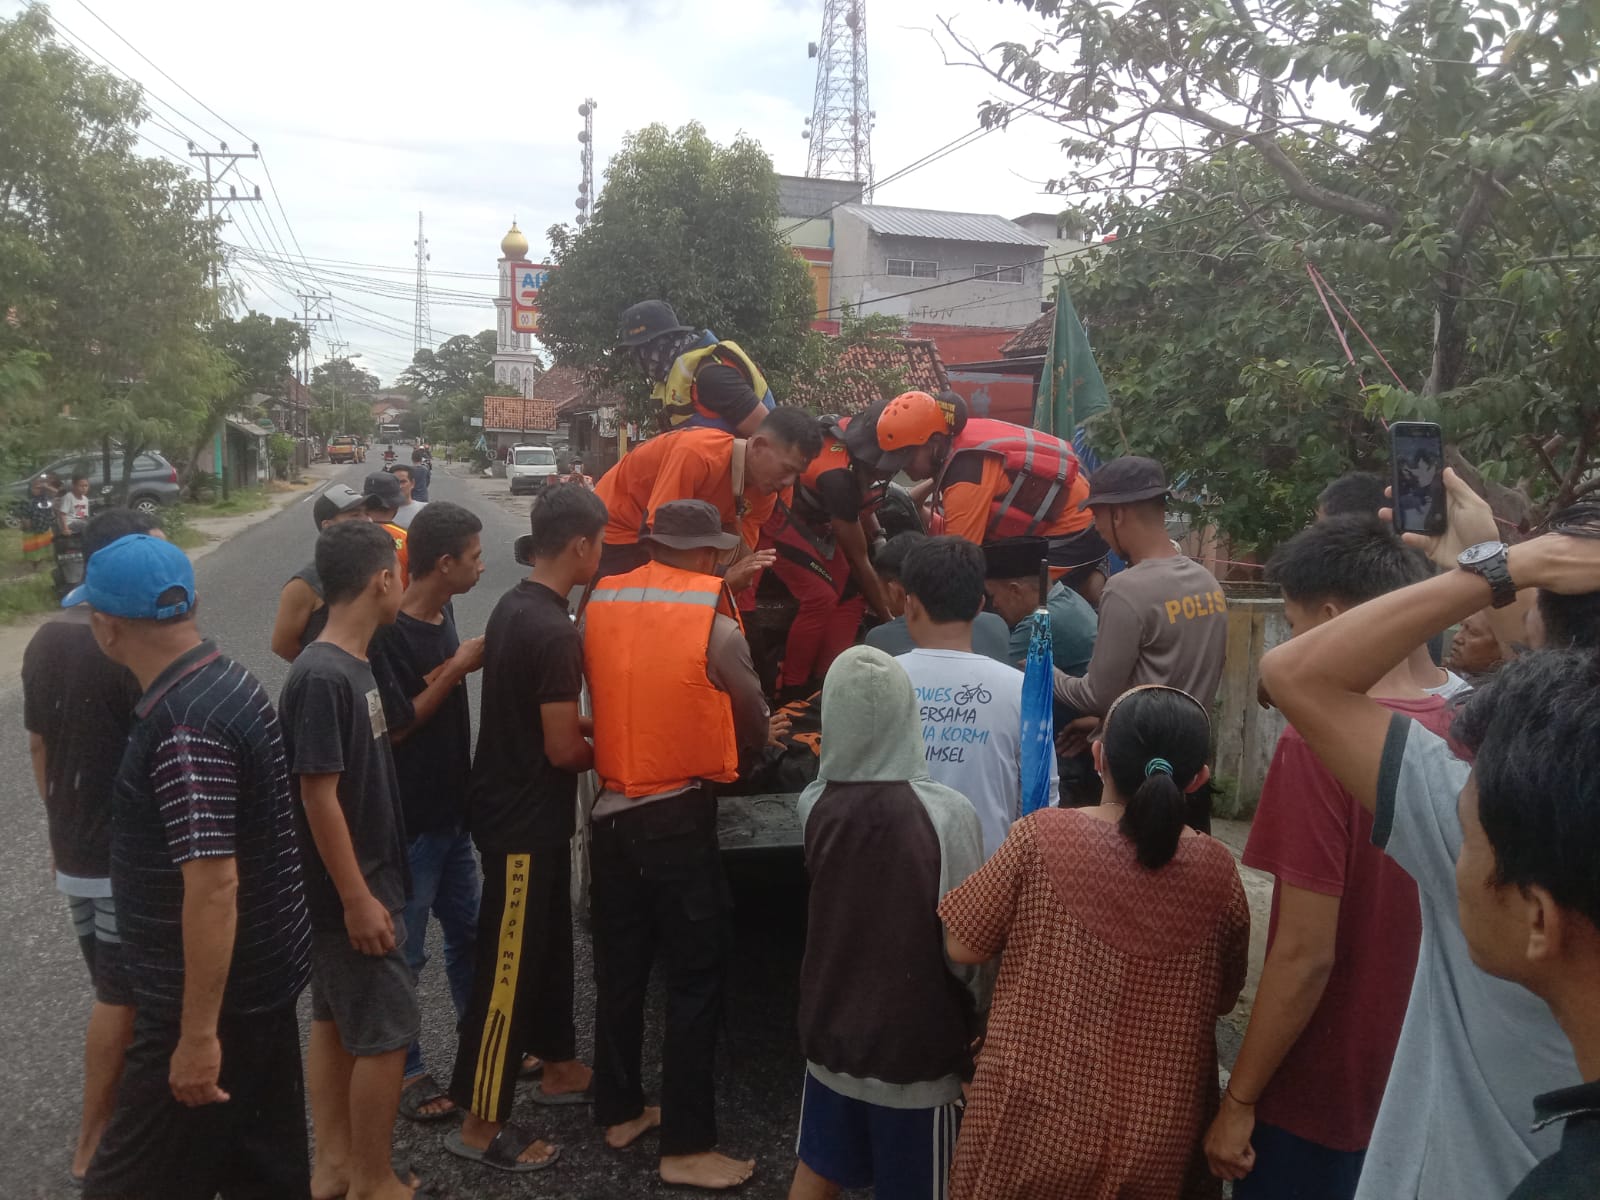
1457,1116
1163,620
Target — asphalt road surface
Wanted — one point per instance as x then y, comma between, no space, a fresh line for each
44,991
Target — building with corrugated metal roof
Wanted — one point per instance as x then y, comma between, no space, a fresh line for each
930,267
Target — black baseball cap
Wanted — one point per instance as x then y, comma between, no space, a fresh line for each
1127,480
383,490
648,320
690,525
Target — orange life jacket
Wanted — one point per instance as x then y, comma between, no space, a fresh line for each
659,722
1042,470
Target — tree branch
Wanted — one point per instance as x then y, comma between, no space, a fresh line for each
1289,171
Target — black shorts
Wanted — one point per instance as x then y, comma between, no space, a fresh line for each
252,1147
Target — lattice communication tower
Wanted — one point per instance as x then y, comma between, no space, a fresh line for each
586,139
422,327
840,126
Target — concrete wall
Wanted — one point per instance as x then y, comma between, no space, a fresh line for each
1246,733
860,276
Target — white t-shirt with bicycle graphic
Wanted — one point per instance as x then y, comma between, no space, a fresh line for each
970,710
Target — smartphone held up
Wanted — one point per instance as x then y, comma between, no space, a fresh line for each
1416,457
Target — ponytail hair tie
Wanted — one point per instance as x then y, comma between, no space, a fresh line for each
1157,766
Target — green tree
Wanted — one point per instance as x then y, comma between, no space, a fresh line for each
345,392
105,256
840,370
460,364
687,221
1444,189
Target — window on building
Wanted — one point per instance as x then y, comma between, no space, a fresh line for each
914,268
997,274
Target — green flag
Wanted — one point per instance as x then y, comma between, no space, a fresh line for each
1070,389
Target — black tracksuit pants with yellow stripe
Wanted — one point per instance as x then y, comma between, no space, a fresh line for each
522,985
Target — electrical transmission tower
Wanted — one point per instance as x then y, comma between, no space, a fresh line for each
422,331
840,126
586,139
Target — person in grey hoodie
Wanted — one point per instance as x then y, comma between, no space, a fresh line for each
886,1020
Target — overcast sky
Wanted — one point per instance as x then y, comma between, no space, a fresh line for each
367,113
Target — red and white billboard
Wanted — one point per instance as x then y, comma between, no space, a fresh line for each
527,281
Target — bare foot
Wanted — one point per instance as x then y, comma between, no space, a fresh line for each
392,1188
329,1181
531,1065
563,1078
620,1137
478,1134
712,1171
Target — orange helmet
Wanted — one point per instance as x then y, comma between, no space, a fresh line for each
909,420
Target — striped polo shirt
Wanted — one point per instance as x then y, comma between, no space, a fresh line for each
205,776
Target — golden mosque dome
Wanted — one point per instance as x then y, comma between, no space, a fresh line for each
515,243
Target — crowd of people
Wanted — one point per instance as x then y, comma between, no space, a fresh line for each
991,1005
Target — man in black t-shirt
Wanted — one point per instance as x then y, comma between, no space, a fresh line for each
211,910
522,811
78,708
363,1000
421,666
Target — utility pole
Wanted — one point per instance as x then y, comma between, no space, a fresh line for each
214,179
219,448
422,331
308,301
336,402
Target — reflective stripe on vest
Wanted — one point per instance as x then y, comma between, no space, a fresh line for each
653,595
678,395
1030,457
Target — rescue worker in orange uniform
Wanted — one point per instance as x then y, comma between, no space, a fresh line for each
992,480
705,464
822,534
698,379
678,708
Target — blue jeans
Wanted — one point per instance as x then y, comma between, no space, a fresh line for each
445,881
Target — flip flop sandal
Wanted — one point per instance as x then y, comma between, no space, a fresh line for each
561,1099
504,1151
418,1094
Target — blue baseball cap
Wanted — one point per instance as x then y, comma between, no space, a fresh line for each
127,579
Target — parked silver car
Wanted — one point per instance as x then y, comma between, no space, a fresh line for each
152,485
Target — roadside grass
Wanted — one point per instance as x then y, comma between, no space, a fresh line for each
240,502
28,596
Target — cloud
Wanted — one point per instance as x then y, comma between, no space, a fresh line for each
367,113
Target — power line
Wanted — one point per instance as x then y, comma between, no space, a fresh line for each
164,75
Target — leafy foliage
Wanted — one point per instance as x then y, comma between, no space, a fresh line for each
105,257
687,221
451,382
1454,214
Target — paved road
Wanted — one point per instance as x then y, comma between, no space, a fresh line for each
44,995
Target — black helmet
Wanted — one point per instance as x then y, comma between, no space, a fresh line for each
648,320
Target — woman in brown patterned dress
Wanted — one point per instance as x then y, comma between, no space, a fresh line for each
1122,936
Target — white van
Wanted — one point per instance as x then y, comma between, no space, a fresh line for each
530,468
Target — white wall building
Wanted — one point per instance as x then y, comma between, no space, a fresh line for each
990,269
515,364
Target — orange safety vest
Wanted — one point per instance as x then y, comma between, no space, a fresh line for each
659,722
1042,470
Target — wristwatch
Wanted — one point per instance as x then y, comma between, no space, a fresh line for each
1488,559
